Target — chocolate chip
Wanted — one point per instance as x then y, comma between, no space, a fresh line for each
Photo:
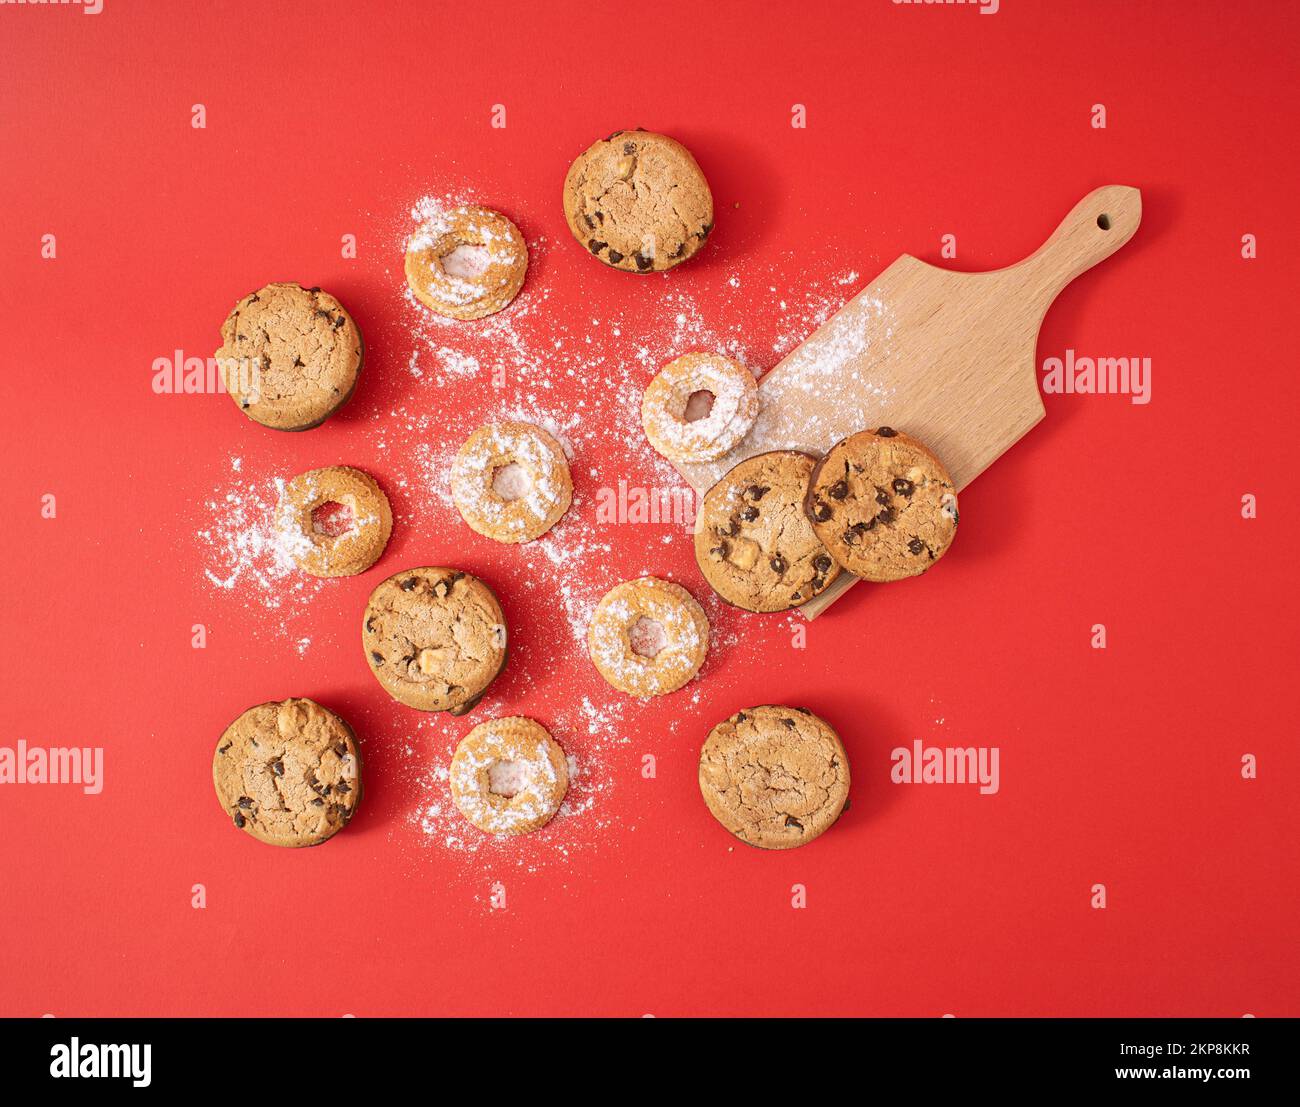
222,749
721,550
882,497
790,820
339,321
680,250
731,529
244,801
839,489
377,657
629,147
821,563
704,230
277,767
789,724
594,246
342,786
298,363
341,749
615,257
850,537
318,803
587,219
324,314
817,583
755,492
916,545
642,262
821,511
749,514
903,486
314,288
885,515
886,432
370,625
779,564
409,584
239,820
741,716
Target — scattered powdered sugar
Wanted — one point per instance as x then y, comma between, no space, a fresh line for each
577,370
246,551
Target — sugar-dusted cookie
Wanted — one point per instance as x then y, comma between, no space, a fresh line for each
753,542
335,522
509,776
434,638
288,773
510,481
290,356
648,637
699,406
638,201
776,777
883,504
466,262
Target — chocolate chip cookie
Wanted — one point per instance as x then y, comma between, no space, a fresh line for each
648,637
334,522
288,773
466,262
638,201
776,777
509,776
883,504
290,356
753,542
435,638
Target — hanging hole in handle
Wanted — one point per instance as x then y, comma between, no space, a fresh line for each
1103,221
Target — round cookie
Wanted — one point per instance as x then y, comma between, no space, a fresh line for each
334,522
466,262
509,776
288,773
510,481
883,504
648,637
435,638
699,406
753,542
290,356
638,201
776,777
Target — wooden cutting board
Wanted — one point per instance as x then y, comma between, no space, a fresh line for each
947,357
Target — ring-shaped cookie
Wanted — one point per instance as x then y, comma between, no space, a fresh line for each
510,481
699,407
466,262
334,522
648,637
509,776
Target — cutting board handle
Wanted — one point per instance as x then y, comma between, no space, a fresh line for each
1096,227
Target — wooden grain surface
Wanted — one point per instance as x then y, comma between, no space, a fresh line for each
947,357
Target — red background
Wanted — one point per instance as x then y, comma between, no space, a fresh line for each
1119,766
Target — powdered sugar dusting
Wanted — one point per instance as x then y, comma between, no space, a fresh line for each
577,369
